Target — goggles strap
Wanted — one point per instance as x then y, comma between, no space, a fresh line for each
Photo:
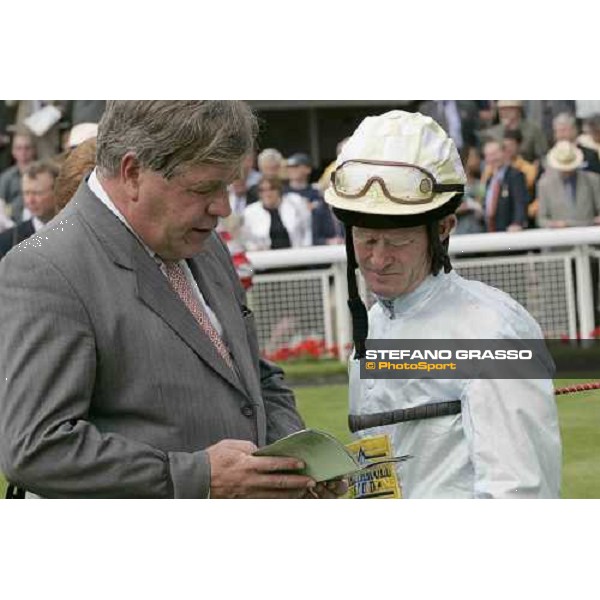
360,317
440,188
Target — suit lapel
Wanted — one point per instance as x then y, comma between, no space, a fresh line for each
208,274
152,287
154,290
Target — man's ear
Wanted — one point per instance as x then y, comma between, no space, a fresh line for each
130,175
447,224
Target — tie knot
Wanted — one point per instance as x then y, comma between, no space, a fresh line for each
174,273
171,266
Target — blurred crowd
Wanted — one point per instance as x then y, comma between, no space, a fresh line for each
528,164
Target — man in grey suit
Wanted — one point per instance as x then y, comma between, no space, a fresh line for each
129,363
567,195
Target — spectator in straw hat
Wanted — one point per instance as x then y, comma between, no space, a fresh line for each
565,128
534,144
568,196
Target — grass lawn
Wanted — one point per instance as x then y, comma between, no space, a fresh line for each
324,407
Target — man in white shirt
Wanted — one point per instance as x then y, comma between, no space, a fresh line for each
38,197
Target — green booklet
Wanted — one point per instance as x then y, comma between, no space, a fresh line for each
324,456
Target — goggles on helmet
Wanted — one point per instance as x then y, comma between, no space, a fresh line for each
400,182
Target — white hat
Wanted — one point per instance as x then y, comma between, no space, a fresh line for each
565,156
410,138
510,104
82,132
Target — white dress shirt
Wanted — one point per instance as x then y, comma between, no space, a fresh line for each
37,224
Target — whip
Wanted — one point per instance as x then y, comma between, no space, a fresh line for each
436,409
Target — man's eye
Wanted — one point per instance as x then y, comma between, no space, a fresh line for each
206,191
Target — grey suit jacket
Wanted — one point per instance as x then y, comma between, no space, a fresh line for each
108,387
556,206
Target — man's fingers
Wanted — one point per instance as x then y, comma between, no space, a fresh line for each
273,464
329,489
240,445
232,446
284,482
279,494
338,486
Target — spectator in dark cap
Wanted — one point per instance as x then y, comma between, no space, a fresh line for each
326,229
299,169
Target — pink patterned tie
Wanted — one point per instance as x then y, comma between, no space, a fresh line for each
181,285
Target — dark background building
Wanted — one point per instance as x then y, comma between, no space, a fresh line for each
316,126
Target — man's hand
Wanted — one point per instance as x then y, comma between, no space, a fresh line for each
514,227
235,473
328,490
557,224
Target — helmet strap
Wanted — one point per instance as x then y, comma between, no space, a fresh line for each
438,250
358,311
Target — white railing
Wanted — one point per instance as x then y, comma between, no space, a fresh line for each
549,271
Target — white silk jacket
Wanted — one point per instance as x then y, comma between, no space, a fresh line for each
506,442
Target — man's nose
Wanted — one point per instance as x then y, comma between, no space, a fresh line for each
220,206
380,256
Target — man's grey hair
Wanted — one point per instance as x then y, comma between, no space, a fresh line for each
564,119
167,136
269,155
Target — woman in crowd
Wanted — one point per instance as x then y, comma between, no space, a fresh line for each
277,220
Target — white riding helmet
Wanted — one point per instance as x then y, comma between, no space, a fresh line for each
399,169
398,164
